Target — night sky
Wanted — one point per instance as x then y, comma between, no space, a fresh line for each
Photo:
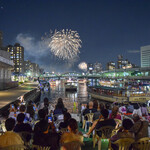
107,28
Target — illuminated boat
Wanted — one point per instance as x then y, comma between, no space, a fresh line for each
116,94
70,86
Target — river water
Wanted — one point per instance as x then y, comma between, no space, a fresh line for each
71,99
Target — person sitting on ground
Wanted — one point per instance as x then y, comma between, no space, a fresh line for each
41,116
122,109
60,108
137,110
31,109
101,122
64,124
144,110
23,127
115,114
46,138
12,111
140,127
9,137
72,135
45,104
22,109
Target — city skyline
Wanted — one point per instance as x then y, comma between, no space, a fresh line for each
107,29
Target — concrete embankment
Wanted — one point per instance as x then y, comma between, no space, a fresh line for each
28,91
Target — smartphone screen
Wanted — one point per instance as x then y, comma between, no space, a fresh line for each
49,119
34,108
12,106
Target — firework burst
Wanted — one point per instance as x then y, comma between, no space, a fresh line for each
83,66
65,44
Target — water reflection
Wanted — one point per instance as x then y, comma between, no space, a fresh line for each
71,99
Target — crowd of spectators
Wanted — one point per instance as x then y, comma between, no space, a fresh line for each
40,130
134,118
40,123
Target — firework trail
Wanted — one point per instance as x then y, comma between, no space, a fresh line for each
83,66
65,44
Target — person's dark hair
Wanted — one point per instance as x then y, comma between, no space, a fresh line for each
87,106
144,105
22,108
116,104
10,124
60,104
42,114
114,111
107,106
46,102
43,125
20,117
30,102
73,125
67,117
95,104
136,106
127,124
30,109
122,104
101,106
105,113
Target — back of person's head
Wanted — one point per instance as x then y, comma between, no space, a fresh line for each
101,106
87,106
114,111
43,125
105,113
144,105
60,104
127,124
22,108
107,106
95,104
42,114
30,102
90,105
73,125
46,101
67,116
136,106
116,104
122,104
10,124
136,117
20,117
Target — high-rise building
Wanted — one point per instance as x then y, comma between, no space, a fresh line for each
97,67
119,62
1,39
17,55
110,65
31,69
90,68
145,56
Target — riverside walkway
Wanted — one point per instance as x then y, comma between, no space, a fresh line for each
11,95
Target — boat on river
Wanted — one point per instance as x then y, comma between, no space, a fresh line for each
116,94
70,86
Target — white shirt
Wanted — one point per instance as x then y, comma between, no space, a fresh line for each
138,112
